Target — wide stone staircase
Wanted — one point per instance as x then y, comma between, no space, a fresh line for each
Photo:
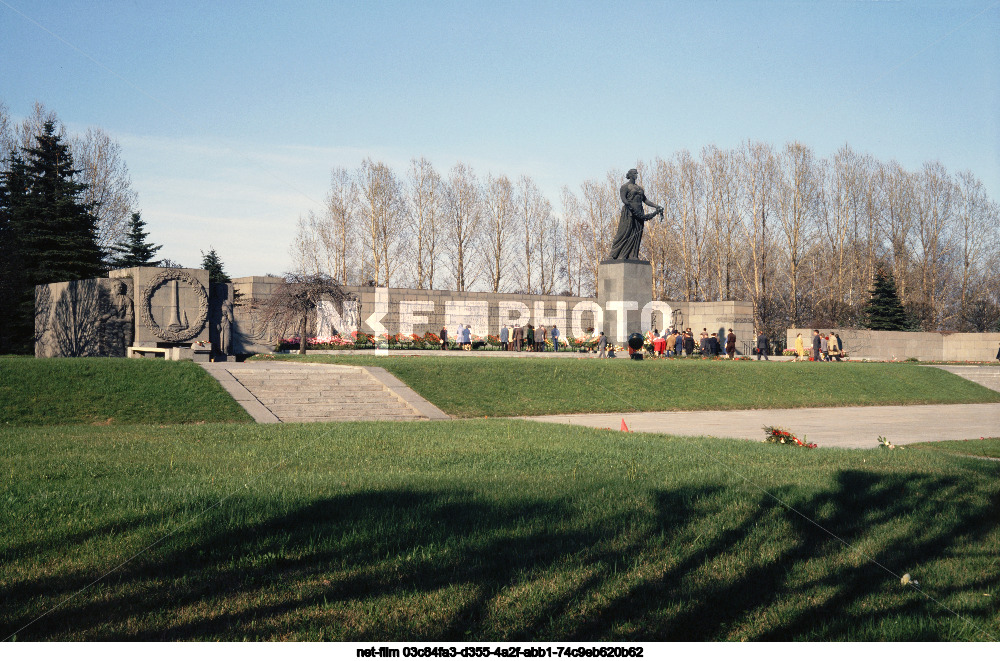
297,392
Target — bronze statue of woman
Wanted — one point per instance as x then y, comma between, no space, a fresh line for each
626,242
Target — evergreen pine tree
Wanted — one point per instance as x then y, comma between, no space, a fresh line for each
47,233
213,264
58,233
13,283
885,311
135,250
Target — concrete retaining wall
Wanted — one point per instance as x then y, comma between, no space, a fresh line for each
895,345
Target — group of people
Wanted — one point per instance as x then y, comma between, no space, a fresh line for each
676,343
463,338
824,347
512,338
528,338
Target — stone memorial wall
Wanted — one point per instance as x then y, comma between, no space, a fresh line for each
899,345
170,308
417,311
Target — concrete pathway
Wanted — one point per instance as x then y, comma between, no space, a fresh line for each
312,392
844,427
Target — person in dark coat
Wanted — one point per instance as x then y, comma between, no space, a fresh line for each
714,346
731,344
602,345
689,343
762,347
817,345
444,339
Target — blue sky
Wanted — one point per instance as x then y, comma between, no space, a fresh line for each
231,115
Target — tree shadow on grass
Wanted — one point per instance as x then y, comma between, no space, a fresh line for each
453,565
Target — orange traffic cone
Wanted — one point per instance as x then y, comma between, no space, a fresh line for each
624,426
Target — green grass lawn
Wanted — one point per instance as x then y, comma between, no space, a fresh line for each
42,391
973,447
486,530
475,386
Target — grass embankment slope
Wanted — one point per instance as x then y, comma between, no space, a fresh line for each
486,530
37,391
474,386
469,529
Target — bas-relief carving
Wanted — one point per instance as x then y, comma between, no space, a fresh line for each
170,322
83,318
123,292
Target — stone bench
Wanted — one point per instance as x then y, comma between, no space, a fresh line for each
197,354
144,352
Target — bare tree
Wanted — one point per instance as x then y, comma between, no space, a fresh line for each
499,207
599,206
798,198
109,186
897,219
329,242
796,235
426,210
339,237
722,195
548,249
529,209
933,220
976,225
24,134
661,239
573,234
7,139
690,217
293,302
841,210
757,174
463,209
382,206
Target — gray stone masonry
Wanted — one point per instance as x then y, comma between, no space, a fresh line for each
623,289
407,310
897,345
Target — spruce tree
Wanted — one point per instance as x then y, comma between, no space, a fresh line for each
58,232
13,283
213,264
47,233
885,311
135,250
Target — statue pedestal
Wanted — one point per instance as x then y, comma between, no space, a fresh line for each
623,289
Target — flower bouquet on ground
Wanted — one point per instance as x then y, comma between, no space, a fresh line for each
884,443
776,435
